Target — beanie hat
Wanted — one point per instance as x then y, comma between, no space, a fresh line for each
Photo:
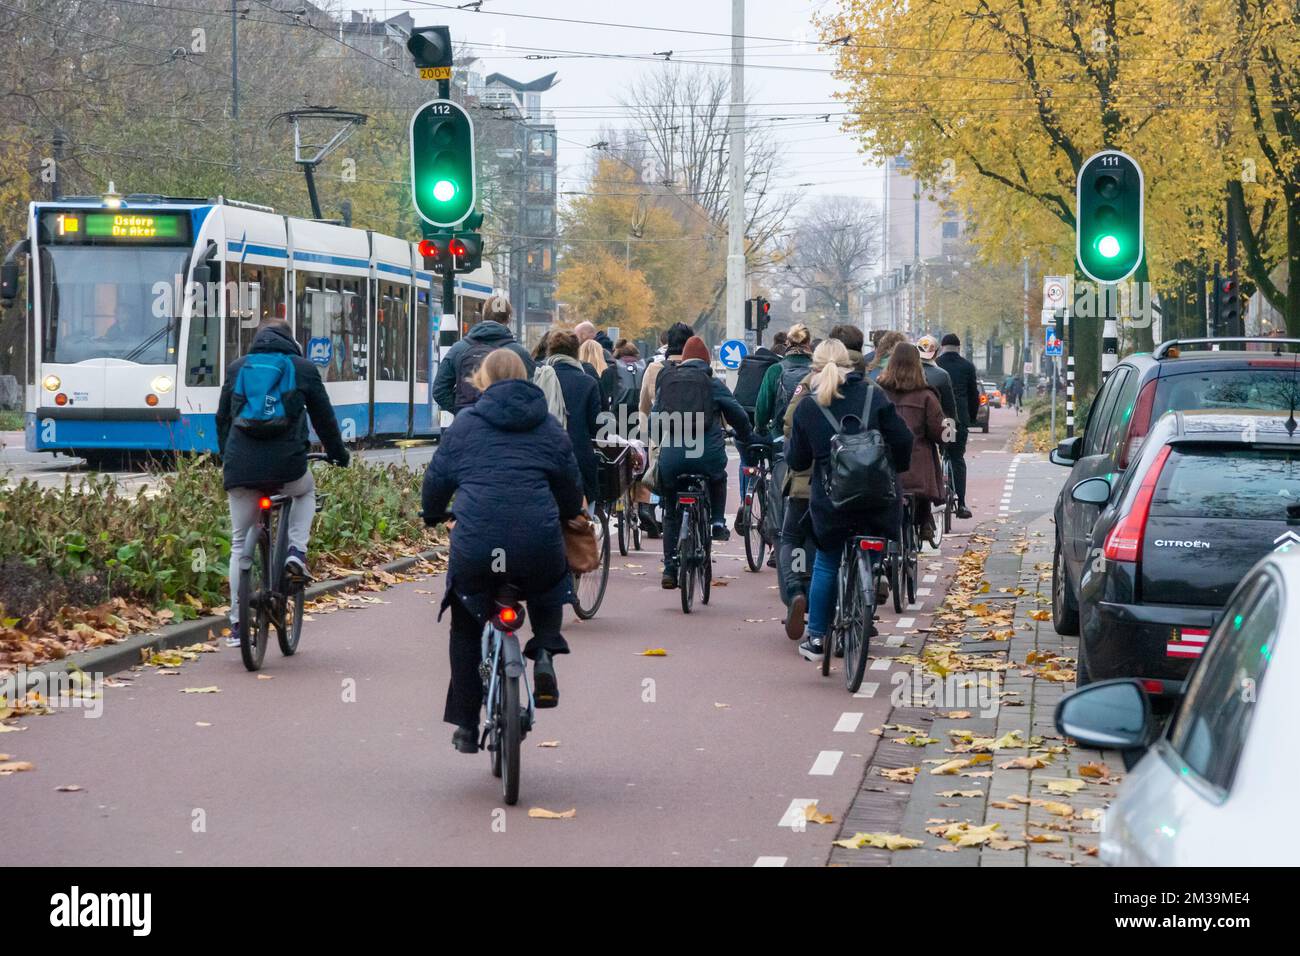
695,349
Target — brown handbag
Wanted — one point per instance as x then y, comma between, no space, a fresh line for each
580,545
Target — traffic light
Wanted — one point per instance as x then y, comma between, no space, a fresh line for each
436,251
1109,208
762,310
442,163
749,315
1228,303
466,251
430,46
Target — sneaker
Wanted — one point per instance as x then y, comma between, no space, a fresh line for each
811,649
232,639
771,560
720,533
963,513
929,532
546,689
295,569
669,580
794,620
465,738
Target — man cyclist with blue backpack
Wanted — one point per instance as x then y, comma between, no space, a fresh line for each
266,400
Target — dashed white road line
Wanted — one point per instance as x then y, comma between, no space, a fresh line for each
895,641
794,814
867,691
771,861
848,722
906,621
825,764
880,664
929,578
922,592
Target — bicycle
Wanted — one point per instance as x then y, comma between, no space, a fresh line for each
950,502
589,588
507,698
756,518
694,540
855,608
618,492
903,557
263,599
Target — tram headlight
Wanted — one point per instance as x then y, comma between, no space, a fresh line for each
162,384
52,383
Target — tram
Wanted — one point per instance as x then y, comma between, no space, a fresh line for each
136,305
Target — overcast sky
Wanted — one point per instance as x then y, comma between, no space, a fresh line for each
785,75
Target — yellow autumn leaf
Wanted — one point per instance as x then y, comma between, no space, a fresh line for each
884,841
539,813
654,652
201,690
813,815
1065,787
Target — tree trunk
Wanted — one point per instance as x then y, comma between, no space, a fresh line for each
1087,347
1143,334
1291,309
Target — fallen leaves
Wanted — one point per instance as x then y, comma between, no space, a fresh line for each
540,813
900,775
70,788
8,766
813,815
201,690
549,743
653,652
883,841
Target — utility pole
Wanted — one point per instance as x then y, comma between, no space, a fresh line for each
1025,356
736,162
1233,267
234,86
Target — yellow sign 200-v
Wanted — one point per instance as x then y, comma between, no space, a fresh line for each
435,73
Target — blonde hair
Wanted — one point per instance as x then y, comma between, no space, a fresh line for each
498,365
593,353
831,366
798,337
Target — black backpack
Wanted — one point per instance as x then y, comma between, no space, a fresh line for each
791,377
750,377
860,474
466,365
681,391
629,384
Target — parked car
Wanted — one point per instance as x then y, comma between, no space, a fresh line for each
1208,496
982,416
1205,791
1224,374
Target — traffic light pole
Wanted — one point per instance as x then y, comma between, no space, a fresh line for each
736,161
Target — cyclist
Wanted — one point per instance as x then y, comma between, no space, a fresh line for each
966,391
842,391
260,454
904,383
688,401
581,402
507,448
936,377
781,379
452,386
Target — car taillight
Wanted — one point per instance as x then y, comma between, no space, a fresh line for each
1124,543
1139,423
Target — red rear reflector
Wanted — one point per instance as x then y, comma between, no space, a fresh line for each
685,500
508,615
872,544
1271,363
750,470
1153,686
264,504
1124,543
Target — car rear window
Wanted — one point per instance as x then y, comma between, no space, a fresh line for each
1248,483
1268,383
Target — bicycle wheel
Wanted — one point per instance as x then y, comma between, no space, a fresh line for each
686,542
589,588
624,516
857,614
705,559
897,584
254,615
508,717
754,513
910,562
636,524
288,628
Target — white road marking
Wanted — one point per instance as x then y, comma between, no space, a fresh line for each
895,641
867,690
917,605
771,861
825,764
794,813
930,578
880,664
906,621
922,592
848,723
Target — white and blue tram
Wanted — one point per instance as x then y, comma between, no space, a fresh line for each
137,305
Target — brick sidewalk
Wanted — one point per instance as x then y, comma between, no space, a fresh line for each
1009,736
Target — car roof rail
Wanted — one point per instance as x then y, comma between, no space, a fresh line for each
1175,345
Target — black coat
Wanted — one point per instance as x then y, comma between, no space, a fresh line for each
494,334
965,385
941,384
249,462
582,402
710,457
512,469
810,447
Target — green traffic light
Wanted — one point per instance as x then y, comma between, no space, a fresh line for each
444,190
1108,246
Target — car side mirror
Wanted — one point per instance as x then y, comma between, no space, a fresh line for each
1091,491
1109,715
1066,453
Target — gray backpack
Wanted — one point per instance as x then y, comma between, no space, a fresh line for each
860,475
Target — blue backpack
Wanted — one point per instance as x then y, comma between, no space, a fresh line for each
265,395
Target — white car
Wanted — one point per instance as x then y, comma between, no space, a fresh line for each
1216,786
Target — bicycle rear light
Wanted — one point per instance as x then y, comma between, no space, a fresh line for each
686,499
871,544
509,617
750,470
264,503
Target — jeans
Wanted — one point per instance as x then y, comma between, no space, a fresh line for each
821,593
243,517
465,692
672,517
957,453
796,537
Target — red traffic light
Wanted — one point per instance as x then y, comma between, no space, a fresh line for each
457,247
765,306
428,249
1229,286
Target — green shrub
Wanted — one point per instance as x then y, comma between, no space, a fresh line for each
169,546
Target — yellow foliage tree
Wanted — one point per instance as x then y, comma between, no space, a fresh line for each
601,289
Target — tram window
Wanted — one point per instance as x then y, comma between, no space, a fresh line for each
392,326
422,335
350,332
202,363
318,308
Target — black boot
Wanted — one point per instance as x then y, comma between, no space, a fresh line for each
465,739
650,527
546,689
